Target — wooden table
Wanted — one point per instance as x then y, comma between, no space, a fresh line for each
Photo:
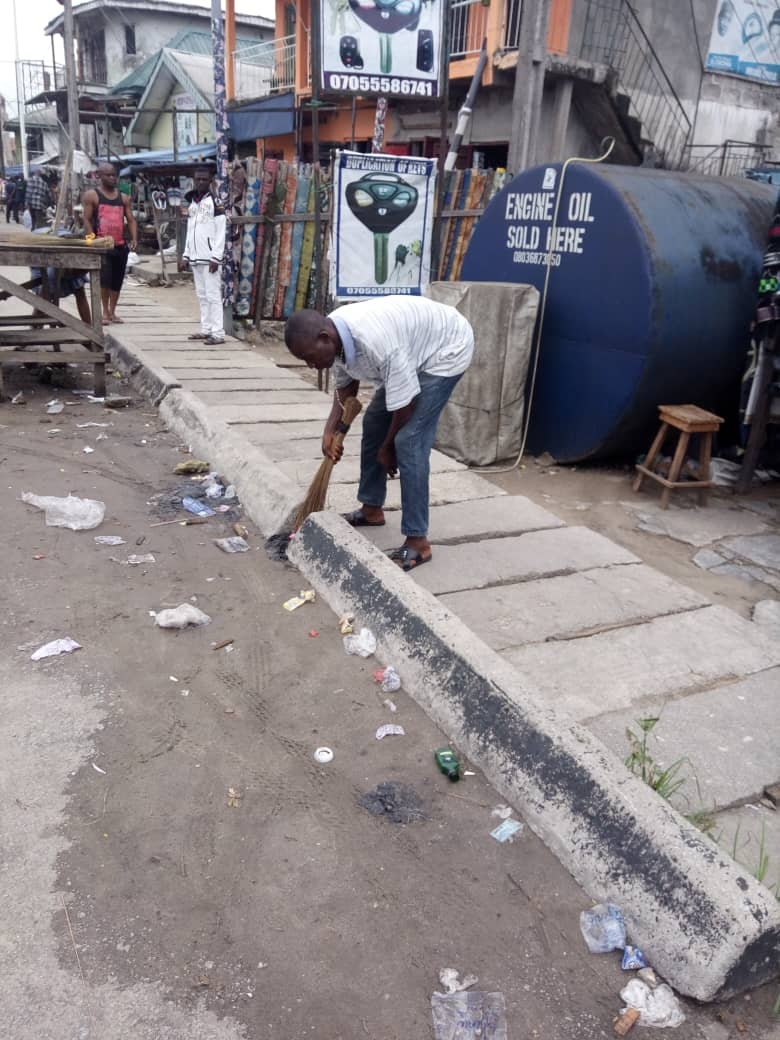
48,325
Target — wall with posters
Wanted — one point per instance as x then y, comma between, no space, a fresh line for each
745,39
382,225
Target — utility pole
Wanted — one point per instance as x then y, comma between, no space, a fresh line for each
223,171
529,84
70,76
230,46
20,101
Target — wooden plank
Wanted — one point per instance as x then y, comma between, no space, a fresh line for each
60,316
45,357
10,337
80,259
23,320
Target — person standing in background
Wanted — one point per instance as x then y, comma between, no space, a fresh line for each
204,252
106,210
37,199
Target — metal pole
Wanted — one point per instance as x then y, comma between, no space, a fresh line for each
70,76
221,127
464,115
230,47
444,109
529,84
20,100
316,72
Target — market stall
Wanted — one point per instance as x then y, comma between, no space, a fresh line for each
36,337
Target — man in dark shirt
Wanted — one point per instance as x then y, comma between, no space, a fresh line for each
37,198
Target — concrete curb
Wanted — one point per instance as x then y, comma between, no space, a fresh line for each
146,376
708,926
705,924
268,495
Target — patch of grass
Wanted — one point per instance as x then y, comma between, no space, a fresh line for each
664,781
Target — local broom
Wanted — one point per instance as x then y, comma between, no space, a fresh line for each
317,493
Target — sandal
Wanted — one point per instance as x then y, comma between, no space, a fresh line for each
198,335
408,558
358,519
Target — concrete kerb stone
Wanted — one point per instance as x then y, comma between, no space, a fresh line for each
269,497
705,923
145,375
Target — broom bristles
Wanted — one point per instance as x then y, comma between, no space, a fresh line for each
314,502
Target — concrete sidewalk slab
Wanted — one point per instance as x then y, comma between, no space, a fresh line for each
499,561
728,735
660,659
573,605
348,470
706,925
312,407
473,521
259,370
238,382
444,488
292,396
280,433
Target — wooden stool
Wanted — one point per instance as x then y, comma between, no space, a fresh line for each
688,419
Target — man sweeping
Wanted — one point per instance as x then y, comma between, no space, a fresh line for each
204,252
414,351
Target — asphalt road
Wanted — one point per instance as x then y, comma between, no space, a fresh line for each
135,900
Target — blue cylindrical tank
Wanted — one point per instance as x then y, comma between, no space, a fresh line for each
652,287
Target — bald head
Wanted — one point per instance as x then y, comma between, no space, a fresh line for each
313,338
107,175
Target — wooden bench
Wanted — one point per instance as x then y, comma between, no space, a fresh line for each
689,420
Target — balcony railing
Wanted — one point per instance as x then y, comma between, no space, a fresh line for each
729,159
269,67
468,27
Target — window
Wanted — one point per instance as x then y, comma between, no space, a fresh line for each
129,39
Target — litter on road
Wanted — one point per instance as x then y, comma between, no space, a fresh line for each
362,643
192,505
603,928
633,959
626,1022
389,729
234,797
191,467
657,1007
89,425
88,450
98,769
222,645
447,762
507,830
323,755
181,617
469,1016
345,624
77,514
304,596
55,407
450,979
390,705
394,801
232,545
55,648
389,678
108,539
134,559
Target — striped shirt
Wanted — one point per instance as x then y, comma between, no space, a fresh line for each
396,337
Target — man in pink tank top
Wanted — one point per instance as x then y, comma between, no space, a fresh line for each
105,211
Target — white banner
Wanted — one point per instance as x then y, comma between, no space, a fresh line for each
385,47
383,225
746,39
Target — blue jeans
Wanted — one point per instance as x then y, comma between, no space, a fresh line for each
413,444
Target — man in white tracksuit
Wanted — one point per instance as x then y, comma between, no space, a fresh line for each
204,253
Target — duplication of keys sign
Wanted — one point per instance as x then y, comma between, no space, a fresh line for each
382,47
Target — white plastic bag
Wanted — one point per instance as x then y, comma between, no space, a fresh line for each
469,1016
657,1007
603,928
78,514
55,648
363,643
180,617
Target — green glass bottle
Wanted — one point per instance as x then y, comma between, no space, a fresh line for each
447,763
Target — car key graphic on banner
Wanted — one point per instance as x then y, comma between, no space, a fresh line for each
384,207
384,47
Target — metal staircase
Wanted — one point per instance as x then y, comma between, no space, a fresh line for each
644,104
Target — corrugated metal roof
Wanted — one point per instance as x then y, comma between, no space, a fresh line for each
190,41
